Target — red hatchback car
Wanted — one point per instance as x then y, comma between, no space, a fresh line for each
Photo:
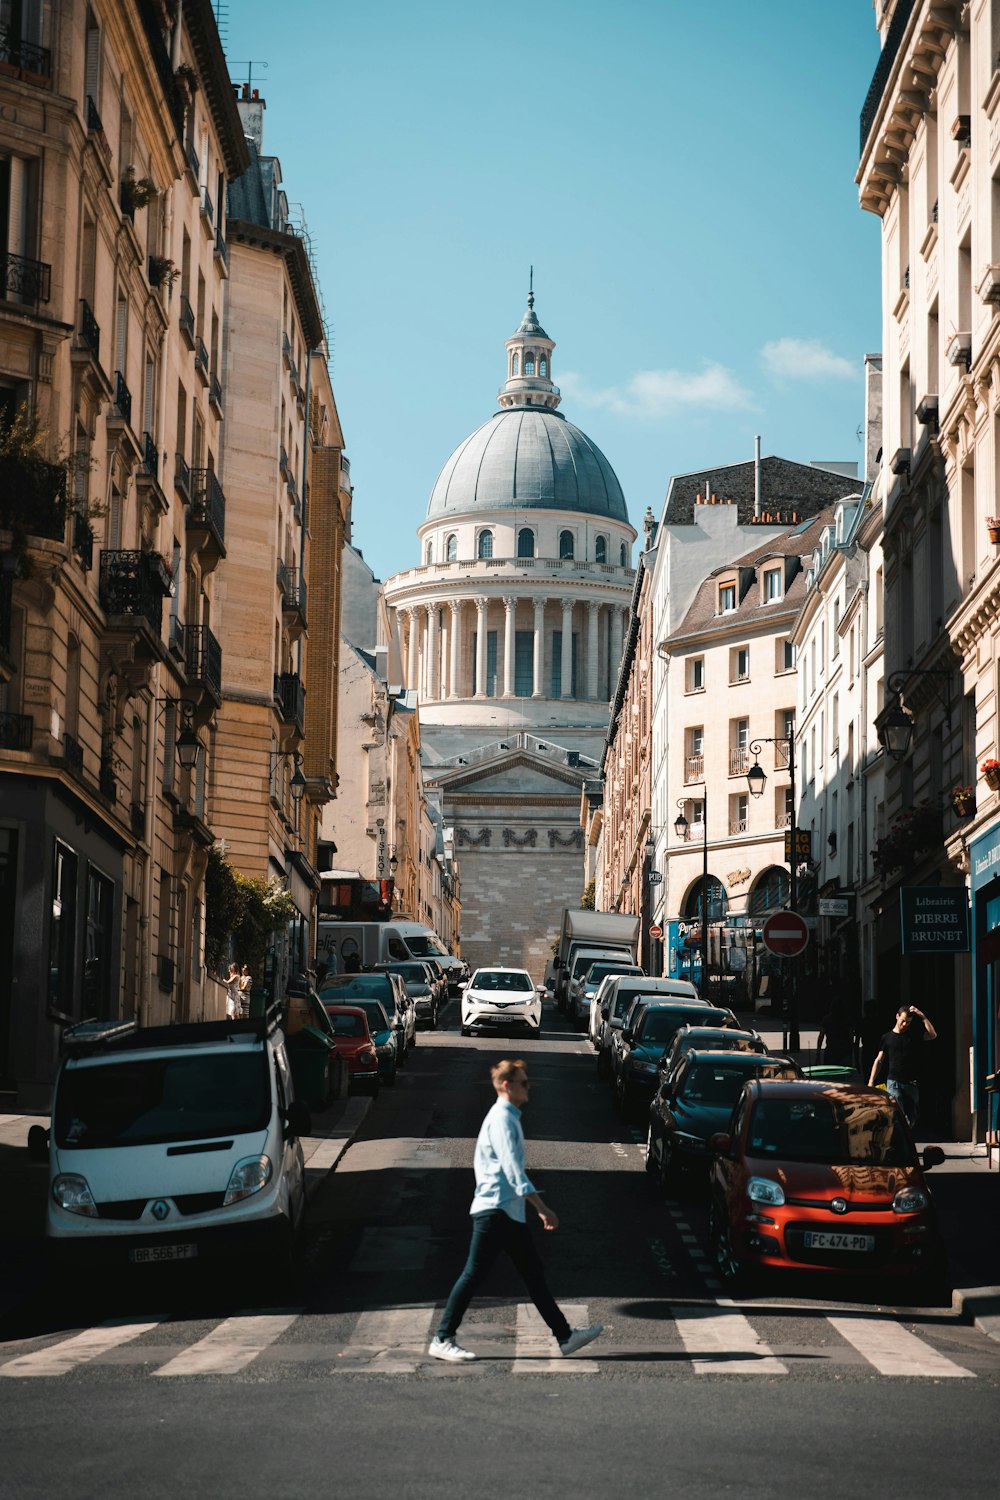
822,1177
355,1045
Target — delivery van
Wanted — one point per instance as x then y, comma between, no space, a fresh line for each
347,946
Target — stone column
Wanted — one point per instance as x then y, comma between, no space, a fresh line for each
617,641
510,610
592,662
454,635
411,670
566,686
481,605
538,687
433,652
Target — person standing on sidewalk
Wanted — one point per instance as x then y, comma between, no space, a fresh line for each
900,1050
498,1221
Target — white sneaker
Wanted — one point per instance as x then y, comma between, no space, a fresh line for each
578,1337
449,1350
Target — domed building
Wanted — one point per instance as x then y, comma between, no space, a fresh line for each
511,630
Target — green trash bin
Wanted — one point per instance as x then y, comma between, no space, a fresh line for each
309,1052
833,1073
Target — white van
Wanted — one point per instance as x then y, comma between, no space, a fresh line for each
347,946
174,1143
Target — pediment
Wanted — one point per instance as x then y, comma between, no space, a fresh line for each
517,774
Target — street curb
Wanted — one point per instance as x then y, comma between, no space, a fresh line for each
980,1305
323,1153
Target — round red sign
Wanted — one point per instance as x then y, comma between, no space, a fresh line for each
656,931
785,934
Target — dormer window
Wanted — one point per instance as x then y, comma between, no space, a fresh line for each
772,585
727,598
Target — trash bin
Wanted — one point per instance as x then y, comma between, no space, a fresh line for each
832,1073
309,1053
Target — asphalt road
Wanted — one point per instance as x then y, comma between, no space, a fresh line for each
167,1386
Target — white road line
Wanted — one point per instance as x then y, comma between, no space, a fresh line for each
231,1346
533,1350
893,1350
391,1340
59,1359
724,1343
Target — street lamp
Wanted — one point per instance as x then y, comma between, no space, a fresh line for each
683,829
895,729
297,785
756,782
188,743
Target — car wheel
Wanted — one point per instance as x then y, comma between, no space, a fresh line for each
650,1159
670,1182
730,1267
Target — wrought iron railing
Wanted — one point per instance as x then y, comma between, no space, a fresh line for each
737,826
201,356
208,503
192,158
283,461
134,584
893,39
694,767
186,319
221,248
215,390
27,56
291,697
207,207
739,762
90,329
94,121
177,637
182,475
293,589
16,731
24,279
203,657
150,466
123,397
83,540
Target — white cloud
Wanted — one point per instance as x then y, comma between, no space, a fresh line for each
806,359
654,394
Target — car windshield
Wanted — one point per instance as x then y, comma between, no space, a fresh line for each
597,972
716,1083
138,1101
425,946
658,1026
377,1018
496,979
347,1025
718,1041
835,1132
407,971
377,986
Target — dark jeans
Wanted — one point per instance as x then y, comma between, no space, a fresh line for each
493,1233
907,1096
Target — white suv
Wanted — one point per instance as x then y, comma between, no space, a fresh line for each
501,997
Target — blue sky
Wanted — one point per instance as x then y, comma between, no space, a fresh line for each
681,177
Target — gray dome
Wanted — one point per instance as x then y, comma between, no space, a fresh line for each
528,458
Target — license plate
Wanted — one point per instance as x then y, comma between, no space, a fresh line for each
828,1240
153,1253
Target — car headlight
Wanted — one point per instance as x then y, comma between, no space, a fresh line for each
642,1065
73,1194
247,1177
763,1190
696,1142
910,1200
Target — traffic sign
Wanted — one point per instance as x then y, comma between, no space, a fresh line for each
656,931
785,934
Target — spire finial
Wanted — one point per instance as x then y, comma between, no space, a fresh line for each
531,286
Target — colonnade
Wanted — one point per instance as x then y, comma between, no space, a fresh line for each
446,645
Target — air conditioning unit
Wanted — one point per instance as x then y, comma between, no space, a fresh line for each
899,463
988,289
927,412
959,351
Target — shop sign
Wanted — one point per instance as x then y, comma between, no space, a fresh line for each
833,906
934,919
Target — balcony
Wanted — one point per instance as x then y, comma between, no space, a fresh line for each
22,280
182,477
893,41
31,61
89,332
694,768
207,208
186,321
215,393
150,467
221,252
290,697
132,588
123,397
16,731
201,360
739,762
192,162
32,497
83,540
293,593
737,826
206,517
95,129
203,660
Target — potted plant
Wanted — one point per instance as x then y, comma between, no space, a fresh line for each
162,271
963,800
136,192
990,772
993,528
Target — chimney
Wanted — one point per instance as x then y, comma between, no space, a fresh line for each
649,527
873,415
756,477
251,107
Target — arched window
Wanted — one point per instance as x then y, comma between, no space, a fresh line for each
515,364
543,367
718,901
601,549
451,548
622,556
529,362
770,892
485,548
429,553
525,542
565,544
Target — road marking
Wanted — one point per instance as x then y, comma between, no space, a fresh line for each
533,1350
59,1359
231,1346
724,1343
893,1350
391,1340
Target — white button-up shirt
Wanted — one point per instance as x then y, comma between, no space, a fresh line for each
501,1180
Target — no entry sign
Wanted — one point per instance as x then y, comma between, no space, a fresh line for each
785,934
656,931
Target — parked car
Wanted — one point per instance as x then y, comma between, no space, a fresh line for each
388,1043
695,1101
174,1143
709,1039
823,1177
622,990
346,989
583,989
501,997
439,975
422,986
355,1045
638,1047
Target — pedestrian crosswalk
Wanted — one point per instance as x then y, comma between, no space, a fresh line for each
709,1338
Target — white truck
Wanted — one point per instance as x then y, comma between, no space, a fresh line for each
348,946
596,934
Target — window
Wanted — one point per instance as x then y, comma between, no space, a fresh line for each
739,805
784,655
491,662
97,956
543,368
566,545
485,544
451,548
529,362
739,664
696,674
727,597
622,556
524,663
601,549
429,553
694,759
772,585
525,542
62,933
515,365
